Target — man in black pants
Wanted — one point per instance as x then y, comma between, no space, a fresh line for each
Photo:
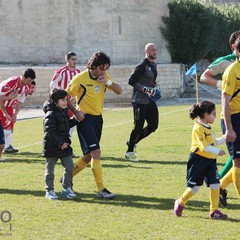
145,93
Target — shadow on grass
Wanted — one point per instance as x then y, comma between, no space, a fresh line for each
132,201
145,161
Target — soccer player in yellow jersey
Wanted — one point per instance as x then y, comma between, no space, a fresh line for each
231,116
89,87
202,164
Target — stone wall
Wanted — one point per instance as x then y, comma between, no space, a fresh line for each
38,32
170,77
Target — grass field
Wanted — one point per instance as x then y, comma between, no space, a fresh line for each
143,208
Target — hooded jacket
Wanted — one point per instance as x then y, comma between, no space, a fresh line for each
56,130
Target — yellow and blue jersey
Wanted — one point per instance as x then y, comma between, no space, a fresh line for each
202,136
88,92
231,85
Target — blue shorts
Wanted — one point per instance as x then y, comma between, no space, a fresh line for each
201,169
89,133
2,139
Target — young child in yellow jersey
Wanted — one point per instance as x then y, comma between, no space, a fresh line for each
201,165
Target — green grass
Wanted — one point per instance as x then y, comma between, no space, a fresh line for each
143,208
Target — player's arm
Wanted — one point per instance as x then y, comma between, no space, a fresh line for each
80,115
230,133
18,107
207,77
106,79
136,75
56,79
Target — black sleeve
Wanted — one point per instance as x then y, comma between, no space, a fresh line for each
51,131
137,74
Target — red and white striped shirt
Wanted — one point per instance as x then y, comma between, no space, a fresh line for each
62,77
13,84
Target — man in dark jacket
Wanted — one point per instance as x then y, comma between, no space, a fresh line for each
145,93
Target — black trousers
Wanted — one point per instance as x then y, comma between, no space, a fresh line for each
142,113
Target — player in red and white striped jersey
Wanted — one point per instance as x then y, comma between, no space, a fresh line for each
13,107
10,90
64,75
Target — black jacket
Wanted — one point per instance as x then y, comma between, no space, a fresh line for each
144,74
56,131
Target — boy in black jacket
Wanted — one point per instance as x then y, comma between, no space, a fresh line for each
56,144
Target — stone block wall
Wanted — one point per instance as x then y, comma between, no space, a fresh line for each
170,77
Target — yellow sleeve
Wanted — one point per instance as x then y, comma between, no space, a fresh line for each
73,87
229,83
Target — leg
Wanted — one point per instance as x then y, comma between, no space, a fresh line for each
67,163
2,142
49,173
152,117
180,203
139,113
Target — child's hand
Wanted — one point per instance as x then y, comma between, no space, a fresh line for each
65,145
221,153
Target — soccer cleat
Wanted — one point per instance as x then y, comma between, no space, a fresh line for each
223,197
10,149
2,160
51,195
131,156
106,194
218,215
68,193
178,208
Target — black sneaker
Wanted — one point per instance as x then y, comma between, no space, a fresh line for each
10,149
223,197
106,194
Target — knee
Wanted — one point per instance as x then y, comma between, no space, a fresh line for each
195,189
96,154
214,186
153,127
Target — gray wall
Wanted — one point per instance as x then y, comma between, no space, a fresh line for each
42,31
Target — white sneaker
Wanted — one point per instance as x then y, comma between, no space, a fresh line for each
51,195
131,156
68,193
106,194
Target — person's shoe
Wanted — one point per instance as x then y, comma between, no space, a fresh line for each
218,215
51,195
2,160
178,208
223,197
68,193
10,149
131,156
106,194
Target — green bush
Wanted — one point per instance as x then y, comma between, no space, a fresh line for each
195,30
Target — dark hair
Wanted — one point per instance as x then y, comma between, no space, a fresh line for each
199,109
29,73
238,44
234,37
70,54
98,59
56,94
33,83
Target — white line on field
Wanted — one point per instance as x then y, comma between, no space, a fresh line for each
113,125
